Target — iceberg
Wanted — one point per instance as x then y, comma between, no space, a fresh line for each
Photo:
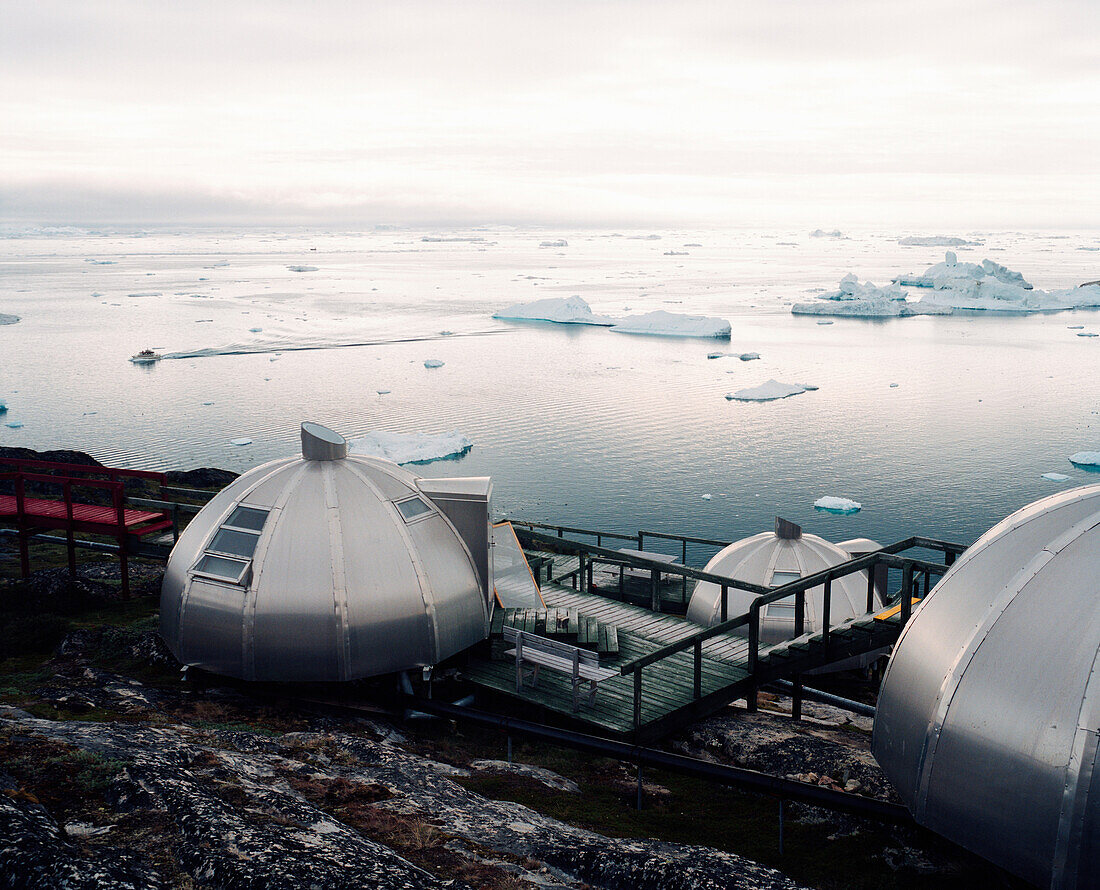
673,324
1055,477
767,392
560,310
643,237
706,497
8,319
433,363
411,448
1087,334
864,299
242,441
749,356
302,268
842,506
936,241
1085,459
835,233
3,407
255,330
676,253
14,424
561,242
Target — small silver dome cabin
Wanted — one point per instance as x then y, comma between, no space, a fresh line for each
330,566
988,720
773,559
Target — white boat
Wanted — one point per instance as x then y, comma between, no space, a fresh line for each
146,357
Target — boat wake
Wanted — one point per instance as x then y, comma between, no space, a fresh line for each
272,346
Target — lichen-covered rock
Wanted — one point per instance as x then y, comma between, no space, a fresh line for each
309,809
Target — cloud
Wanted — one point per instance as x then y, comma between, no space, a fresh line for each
595,111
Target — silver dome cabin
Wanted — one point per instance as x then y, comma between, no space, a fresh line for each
330,566
989,715
775,558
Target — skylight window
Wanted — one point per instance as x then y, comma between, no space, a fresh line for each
413,508
228,556
781,578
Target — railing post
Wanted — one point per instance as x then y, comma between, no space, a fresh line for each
871,586
578,579
175,522
637,698
698,680
70,538
800,613
754,636
641,540
826,618
654,590
927,582
906,594
684,578
21,519
725,603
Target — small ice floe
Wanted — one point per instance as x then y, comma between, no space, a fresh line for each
561,242
411,448
560,310
443,239
241,441
254,330
383,392
936,241
643,237
716,354
302,268
14,424
706,497
893,386
767,392
749,356
824,322
3,407
433,363
840,506
208,403
676,253
674,324
152,293
1055,477
1080,459
1075,327
820,233
274,358
446,333
1087,334
101,262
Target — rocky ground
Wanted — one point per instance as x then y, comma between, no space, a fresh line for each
115,773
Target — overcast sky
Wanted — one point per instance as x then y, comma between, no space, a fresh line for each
922,114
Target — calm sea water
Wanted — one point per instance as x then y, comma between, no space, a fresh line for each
575,425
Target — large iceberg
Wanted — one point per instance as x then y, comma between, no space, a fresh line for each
561,310
673,324
767,392
864,299
946,287
936,241
411,448
1085,459
8,319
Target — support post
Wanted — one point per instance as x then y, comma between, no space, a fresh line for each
827,618
725,603
654,591
637,698
698,673
871,587
70,539
781,826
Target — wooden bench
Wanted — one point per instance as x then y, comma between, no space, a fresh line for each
581,665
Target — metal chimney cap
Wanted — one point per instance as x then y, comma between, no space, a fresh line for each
787,530
321,443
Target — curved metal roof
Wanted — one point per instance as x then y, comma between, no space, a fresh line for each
772,561
987,722
324,567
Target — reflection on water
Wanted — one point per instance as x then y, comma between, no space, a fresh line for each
576,425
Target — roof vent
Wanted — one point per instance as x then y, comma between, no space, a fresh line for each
321,443
784,528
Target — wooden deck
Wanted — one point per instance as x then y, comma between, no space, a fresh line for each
669,699
669,686
85,517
